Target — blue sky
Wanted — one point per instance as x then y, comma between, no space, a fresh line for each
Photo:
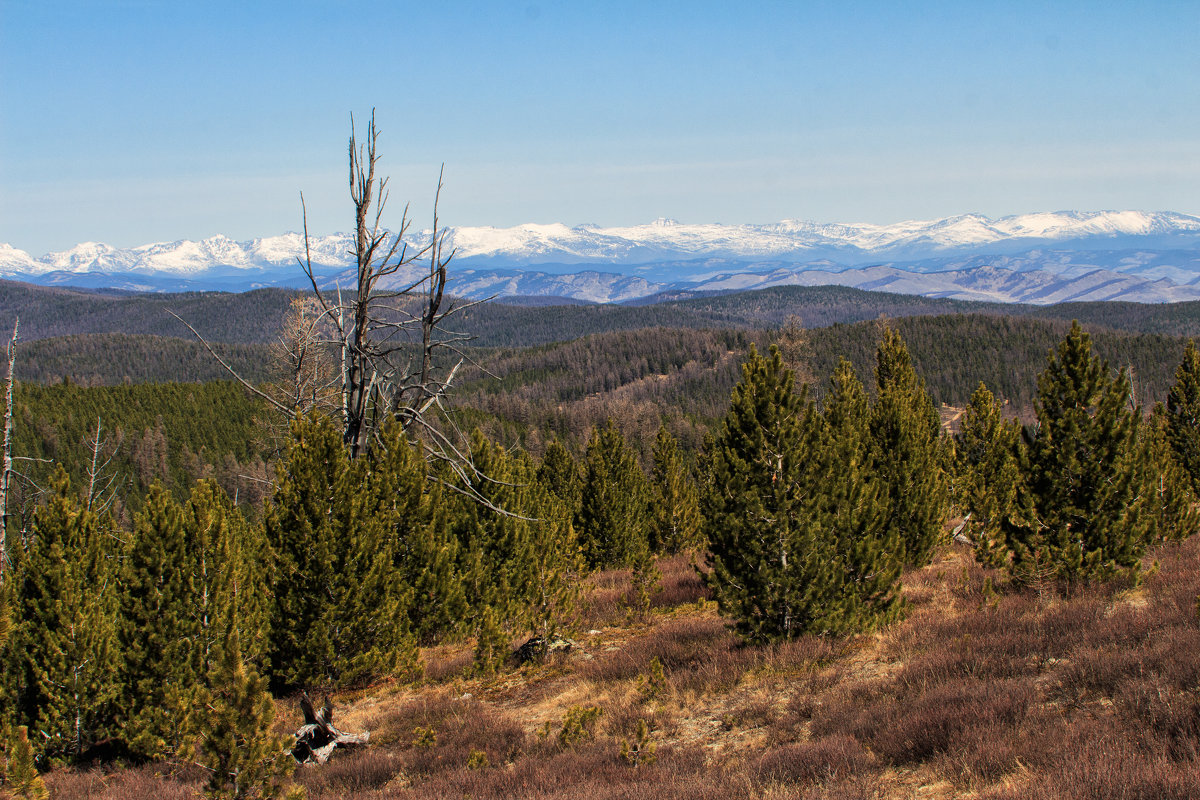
132,121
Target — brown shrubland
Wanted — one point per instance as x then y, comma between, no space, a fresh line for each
979,693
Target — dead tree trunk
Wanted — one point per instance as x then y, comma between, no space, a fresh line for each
6,467
317,738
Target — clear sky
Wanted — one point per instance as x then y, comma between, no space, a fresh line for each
133,121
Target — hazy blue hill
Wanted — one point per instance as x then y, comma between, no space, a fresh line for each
105,359
248,317
254,317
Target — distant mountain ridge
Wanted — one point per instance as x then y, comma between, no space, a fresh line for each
1030,258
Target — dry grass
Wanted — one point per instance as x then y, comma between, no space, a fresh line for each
973,695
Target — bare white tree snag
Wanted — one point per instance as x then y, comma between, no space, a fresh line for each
102,484
390,327
387,331
6,475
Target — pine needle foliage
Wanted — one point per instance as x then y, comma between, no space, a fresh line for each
1183,414
413,514
1169,492
676,501
158,629
773,568
989,475
559,473
520,567
793,511
614,517
63,652
1084,515
227,551
19,778
340,615
910,455
245,758
855,505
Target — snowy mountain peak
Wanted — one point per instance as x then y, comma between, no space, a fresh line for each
663,249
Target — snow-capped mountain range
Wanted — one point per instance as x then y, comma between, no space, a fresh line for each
1035,258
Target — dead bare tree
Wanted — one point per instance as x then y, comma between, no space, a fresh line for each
391,324
6,475
388,329
102,483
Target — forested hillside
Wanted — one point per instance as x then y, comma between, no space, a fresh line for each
684,376
248,317
175,433
254,317
107,359
640,377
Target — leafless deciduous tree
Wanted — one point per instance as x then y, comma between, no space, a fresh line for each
386,331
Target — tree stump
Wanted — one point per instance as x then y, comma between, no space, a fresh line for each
317,738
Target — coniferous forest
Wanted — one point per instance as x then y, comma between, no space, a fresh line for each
734,554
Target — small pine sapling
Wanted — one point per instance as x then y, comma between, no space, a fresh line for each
652,685
424,737
577,724
20,775
641,749
245,758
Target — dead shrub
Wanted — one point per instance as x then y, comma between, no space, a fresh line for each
593,770
827,759
619,718
915,729
1171,715
983,756
756,713
1093,763
442,664
362,771
122,784
678,645
1092,673
680,583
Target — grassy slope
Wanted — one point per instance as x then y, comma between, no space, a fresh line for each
1093,696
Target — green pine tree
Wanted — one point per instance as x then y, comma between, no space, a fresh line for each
340,615
910,454
988,455
1084,516
773,562
7,700
18,772
414,516
613,522
64,646
244,757
867,549
676,502
1183,414
557,565
559,473
1168,491
521,560
225,548
158,630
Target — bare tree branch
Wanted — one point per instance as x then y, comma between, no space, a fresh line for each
279,406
